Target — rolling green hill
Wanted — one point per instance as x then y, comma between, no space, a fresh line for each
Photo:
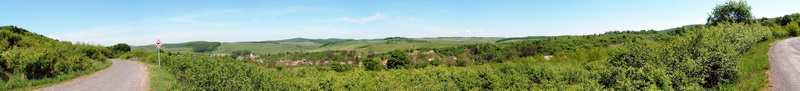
188,47
725,56
266,48
524,38
384,45
318,45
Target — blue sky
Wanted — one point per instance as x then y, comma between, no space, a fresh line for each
141,22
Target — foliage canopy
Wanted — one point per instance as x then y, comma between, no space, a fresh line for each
731,12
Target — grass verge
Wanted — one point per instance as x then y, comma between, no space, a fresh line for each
26,85
753,66
160,78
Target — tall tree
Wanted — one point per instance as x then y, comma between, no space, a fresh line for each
374,64
398,60
731,12
121,47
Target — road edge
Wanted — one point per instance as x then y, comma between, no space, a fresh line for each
768,86
68,81
147,79
770,78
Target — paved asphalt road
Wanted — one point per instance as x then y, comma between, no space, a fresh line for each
784,57
121,76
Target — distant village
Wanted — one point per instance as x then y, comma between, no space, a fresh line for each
253,57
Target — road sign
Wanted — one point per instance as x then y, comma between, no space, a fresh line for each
158,51
158,43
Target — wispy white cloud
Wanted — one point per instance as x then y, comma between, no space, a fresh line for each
377,16
191,18
185,18
435,29
187,28
283,11
136,35
91,35
98,31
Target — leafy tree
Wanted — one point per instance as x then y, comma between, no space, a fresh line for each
14,29
398,60
241,52
106,51
786,19
374,64
392,40
731,12
793,28
121,47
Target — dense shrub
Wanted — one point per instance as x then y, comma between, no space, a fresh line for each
220,73
398,60
701,57
374,64
793,28
341,67
29,56
120,48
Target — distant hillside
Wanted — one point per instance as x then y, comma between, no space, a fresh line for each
318,41
316,45
525,38
194,46
462,40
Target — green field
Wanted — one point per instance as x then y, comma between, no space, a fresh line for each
730,52
318,45
727,56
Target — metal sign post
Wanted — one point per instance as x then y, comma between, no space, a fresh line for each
158,51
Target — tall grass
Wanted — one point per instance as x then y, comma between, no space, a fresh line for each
752,66
160,79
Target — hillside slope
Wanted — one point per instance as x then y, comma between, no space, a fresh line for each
318,45
30,59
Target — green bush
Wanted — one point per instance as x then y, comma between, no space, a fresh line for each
341,67
793,28
29,57
374,64
436,62
398,60
461,63
780,32
701,57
